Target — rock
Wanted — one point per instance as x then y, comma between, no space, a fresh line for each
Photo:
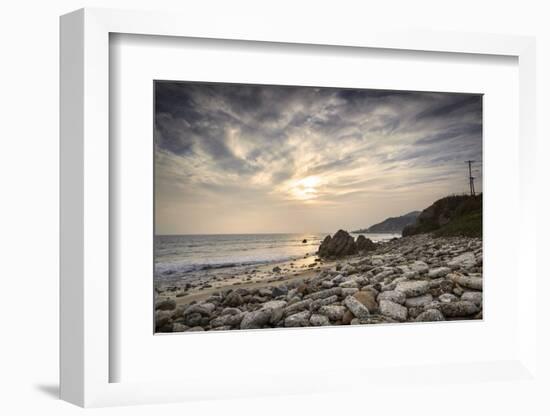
435,283
279,291
349,291
368,299
333,312
372,289
274,304
298,306
292,293
418,301
465,260
339,278
373,319
233,299
256,319
447,298
304,241
277,310
340,244
410,275
265,292
458,309
377,262
316,304
227,320
319,320
213,299
364,244
446,286
383,274
356,308
166,305
302,289
208,306
458,291
324,293
177,327
393,296
471,282
294,300
298,319
197,308
169,327
361,280
256,299
327,284
222,328
393,310
349,284
419,267
414,312
474,297
242,291
430,315
230,311
276,269
348,317
404,269
394,281
162,318
438,272
193,319
195,329
413,288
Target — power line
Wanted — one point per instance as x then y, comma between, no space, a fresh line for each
470,177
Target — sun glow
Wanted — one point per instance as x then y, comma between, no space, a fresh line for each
305,189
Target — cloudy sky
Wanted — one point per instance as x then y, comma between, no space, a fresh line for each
235,158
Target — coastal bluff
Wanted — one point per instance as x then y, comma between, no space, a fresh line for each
455,215
391,224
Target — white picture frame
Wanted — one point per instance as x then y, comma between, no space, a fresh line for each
85,211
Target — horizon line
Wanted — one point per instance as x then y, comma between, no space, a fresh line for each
270,233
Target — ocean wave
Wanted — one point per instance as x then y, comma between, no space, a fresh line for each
174,269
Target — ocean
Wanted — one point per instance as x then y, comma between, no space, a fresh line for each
181,256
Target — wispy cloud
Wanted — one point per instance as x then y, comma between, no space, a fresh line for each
302,158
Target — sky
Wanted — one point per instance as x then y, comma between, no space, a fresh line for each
232,158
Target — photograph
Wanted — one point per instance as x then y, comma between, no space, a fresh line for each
279,206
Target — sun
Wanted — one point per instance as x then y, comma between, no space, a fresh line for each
305,189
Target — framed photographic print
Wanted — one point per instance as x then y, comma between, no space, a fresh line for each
274,212
247,176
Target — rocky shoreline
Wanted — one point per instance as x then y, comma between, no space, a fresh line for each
420,278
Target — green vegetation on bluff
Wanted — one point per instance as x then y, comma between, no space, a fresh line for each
457,215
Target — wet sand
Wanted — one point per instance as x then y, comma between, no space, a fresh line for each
251,277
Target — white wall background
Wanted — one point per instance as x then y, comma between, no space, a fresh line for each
29,204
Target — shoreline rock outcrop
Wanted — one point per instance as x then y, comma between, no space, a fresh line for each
342,244
364,244
339,245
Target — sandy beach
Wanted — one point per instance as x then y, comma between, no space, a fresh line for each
291,271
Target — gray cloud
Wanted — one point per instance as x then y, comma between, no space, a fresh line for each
274,152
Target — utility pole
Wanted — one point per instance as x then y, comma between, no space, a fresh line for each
471,178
